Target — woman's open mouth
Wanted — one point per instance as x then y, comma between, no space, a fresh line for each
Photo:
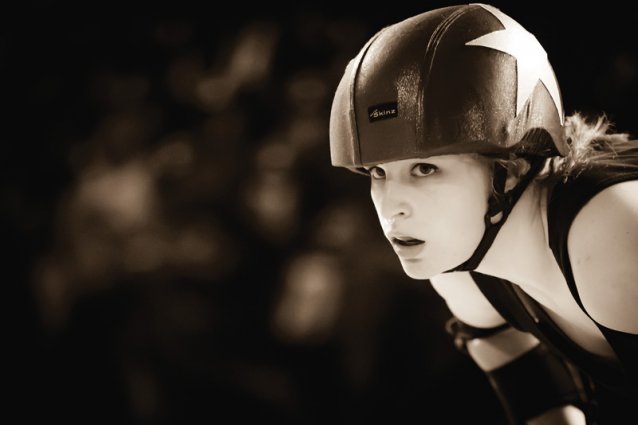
407,247
407,241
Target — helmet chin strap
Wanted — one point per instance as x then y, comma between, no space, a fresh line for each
500,204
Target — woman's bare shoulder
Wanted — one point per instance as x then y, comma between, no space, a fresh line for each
603,251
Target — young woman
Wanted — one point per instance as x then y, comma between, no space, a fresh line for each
525,222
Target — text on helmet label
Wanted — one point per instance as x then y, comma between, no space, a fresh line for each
383,111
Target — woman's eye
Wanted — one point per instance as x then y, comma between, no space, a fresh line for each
376,173
423,169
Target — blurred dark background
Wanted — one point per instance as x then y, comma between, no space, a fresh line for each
179,248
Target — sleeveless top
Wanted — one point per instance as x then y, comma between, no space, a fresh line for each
566,198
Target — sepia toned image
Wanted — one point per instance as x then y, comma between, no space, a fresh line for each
321,213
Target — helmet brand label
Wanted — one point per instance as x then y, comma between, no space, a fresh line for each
383,111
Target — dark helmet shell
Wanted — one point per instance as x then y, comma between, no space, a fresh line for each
436,84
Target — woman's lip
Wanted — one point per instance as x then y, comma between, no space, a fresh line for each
408,251
406,241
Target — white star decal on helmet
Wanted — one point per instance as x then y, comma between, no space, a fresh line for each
531,59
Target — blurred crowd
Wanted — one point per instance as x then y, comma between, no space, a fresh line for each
180,247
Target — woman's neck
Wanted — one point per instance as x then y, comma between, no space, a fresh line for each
520,253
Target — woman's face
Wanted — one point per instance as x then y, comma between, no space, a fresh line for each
431,210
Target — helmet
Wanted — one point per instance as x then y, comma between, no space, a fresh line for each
459,79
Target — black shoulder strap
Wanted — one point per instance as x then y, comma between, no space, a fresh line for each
523,313
501,294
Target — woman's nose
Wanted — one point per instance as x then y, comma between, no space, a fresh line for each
395,207
397,212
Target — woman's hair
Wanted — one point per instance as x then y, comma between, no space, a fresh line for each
590,142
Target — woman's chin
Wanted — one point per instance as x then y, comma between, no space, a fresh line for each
415,270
